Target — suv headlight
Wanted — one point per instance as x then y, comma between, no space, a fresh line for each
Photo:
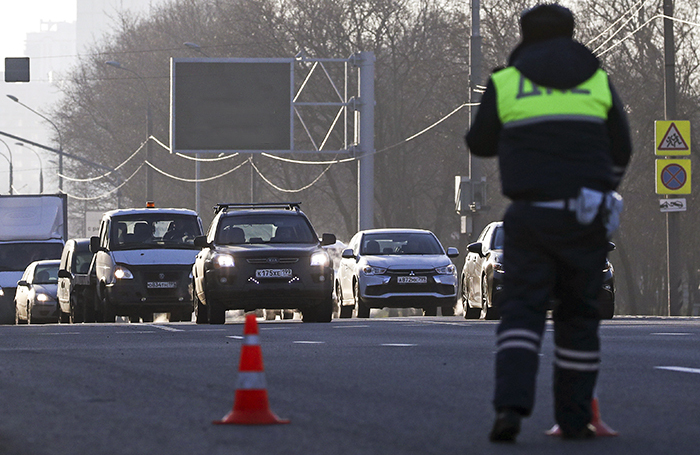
446,270
122,273
320,259
372,270
223,260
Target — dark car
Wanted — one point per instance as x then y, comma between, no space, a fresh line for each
482,277
76,282
262,256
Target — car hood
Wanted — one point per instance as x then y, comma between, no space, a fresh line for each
48,289
408,261
275,249
155,257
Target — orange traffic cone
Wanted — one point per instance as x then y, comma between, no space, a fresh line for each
250,405
601,428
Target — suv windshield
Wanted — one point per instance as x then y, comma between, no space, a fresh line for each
400,243
264,228
153,230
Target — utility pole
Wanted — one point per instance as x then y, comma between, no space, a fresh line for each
674,260
476,171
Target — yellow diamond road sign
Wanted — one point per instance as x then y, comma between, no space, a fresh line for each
673,176
672,137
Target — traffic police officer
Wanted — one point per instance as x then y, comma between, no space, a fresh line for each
562,140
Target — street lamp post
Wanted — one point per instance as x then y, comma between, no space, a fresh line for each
10,161
60,140
149,129
41,166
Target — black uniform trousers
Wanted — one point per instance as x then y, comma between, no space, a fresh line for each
549,257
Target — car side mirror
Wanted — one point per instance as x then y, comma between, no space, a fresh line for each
201,241
94,244
452,252
328,239
22,283
348,253
63,273
611,246
475,248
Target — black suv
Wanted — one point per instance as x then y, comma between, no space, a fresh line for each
264,255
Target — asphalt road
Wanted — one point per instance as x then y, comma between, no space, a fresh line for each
410,385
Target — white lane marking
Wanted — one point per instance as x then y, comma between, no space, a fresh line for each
399,345
235,337
681,334
164,327
680,369
308,342
138,331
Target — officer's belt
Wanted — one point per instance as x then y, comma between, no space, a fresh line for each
560,204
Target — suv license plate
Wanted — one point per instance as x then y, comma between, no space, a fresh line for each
161,284
273,273
412,279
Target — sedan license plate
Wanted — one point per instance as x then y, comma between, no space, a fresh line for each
161,284
412,279
273,273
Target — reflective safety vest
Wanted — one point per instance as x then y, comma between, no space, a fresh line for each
521,102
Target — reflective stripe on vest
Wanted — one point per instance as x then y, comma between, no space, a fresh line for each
521,102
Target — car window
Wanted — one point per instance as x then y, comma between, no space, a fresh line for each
17,256
153,230
264,228
81,260
497,239
45,274
400,243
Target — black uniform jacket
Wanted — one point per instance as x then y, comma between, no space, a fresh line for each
552,160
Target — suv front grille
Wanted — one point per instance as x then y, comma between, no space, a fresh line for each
272,261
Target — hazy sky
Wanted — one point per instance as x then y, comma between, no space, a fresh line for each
19,17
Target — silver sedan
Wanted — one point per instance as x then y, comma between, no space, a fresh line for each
396,268
35,299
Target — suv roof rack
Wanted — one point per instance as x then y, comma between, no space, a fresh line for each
225,206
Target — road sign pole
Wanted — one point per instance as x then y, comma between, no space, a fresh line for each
674,260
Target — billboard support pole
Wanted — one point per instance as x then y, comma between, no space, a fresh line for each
365,174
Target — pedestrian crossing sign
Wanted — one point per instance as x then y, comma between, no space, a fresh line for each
672,137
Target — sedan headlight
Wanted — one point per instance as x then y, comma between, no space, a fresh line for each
320,259
223,260
371,270
122,273
446,270
41,297
2,293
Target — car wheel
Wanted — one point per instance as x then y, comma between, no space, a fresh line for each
469,312
448,310
324,310
217,313
488,311
29,314
361,307
309,314
109,312
89,313
77,311
63,318
430,311
345,310
201,313
17,319
287,314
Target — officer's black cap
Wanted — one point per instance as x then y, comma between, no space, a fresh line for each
546,21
